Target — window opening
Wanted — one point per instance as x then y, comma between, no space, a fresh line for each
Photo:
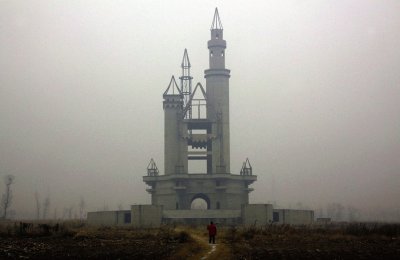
275,216
127,218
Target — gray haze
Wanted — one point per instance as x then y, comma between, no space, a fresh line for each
314,98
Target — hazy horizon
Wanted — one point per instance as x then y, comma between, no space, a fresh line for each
314,98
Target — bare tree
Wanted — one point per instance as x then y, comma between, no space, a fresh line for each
339,211
65,212
353,213
7,196
105,207
335,211
82,206
299,205
320,212
46,206
70,209
38,206
120,206
55,214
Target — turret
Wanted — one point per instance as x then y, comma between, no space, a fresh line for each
217,44
175,150
217,85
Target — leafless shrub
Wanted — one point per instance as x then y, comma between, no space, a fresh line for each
7,196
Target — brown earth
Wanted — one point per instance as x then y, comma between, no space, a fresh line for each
285,242
273,242
108,243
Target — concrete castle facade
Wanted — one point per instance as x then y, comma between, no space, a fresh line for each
199,132
196,127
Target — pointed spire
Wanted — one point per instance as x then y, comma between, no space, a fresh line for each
185,60
246,168
186,81
216,24
152,169
172,88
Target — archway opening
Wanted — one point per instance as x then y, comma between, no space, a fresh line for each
198,204
200,201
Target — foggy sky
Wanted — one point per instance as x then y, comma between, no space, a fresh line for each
314,97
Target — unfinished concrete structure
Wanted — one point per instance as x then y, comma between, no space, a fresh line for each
196,127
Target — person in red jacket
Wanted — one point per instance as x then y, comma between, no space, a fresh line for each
212,232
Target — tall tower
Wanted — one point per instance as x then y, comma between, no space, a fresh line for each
217,85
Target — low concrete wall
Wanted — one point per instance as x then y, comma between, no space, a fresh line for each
146,215
109,218
202,217
154,216
323,221
293,216
256,214
199,213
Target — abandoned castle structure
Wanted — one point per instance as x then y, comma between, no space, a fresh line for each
196,127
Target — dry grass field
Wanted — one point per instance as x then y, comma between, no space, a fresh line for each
346,241
72,240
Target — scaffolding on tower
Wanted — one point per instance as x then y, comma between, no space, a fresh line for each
186,84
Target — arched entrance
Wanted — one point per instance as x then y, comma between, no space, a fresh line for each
200,201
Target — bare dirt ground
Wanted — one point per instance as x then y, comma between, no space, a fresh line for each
83,242
355,241
273,242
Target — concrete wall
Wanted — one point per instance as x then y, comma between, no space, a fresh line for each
227,191
198,213
108,218
146,215
323,221
256,214
154,216
294,216
202,217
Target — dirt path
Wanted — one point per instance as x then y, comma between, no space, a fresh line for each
201,249
211,251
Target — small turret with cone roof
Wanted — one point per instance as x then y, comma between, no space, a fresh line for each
173,96
172,88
